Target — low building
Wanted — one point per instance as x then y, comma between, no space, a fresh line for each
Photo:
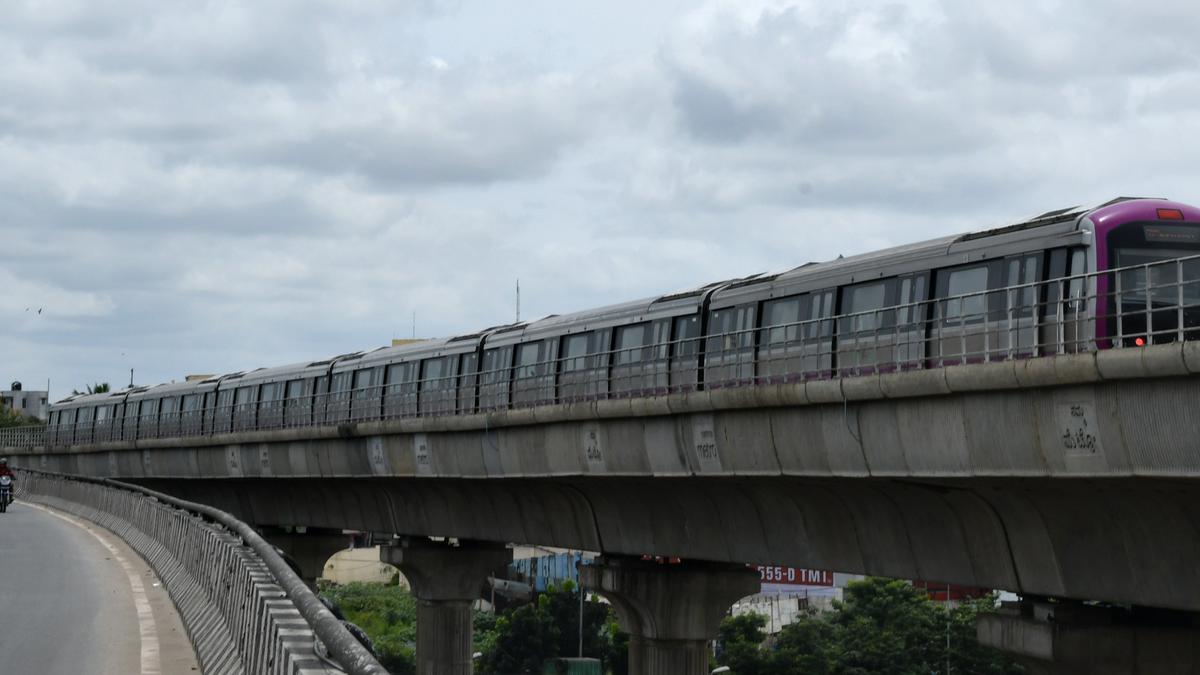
361,565
27,403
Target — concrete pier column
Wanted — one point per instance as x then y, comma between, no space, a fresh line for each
308,550
445,580
671,612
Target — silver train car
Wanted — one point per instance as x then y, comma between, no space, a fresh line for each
1116,275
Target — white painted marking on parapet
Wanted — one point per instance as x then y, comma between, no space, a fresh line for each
593,448
704,442
264,460
1078,430
421,455
233,457
147,629
376,456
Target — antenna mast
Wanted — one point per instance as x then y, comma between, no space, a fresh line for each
518,300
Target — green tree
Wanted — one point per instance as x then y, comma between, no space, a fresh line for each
807,646
12,418
98,388
549,628
740,638
886,627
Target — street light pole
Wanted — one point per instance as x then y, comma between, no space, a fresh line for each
579,577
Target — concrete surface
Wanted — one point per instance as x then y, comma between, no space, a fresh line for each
1047,648
1072,476
66,604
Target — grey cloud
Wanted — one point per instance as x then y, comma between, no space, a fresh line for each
209,193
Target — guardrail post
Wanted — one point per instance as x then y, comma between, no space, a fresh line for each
445,580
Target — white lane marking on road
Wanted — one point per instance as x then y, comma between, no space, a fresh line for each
146,626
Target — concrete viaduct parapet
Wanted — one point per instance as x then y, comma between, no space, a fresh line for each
1062,476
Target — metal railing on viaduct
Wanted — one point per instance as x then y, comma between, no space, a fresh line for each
1148,304
243,607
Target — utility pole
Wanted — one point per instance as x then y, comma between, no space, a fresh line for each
579,579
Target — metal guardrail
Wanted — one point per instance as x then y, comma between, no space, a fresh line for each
1128,307
270,621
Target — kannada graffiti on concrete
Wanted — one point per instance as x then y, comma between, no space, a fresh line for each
1077,428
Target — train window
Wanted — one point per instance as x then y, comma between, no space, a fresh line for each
630,340
684,350
243,396
781,319
1078,266
168,405
437,384
574,352
729,354
730,328
533,381
298,405
363,381
912,292
436,373
971,282
190,402
1022,271
340,382
468,367
863,303
295,390
400,390
367,393
529,360
493,379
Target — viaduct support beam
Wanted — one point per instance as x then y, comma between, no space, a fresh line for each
308,551
1079,641
671,612
445,580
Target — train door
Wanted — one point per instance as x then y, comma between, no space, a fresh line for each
969,302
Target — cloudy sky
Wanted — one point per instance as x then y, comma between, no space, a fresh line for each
208,186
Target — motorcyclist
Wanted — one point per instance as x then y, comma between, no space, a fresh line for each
5,471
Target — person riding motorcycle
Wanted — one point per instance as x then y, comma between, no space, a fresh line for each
5,471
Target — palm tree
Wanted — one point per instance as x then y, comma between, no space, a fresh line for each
98,388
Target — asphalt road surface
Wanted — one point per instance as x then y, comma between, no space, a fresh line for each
67,605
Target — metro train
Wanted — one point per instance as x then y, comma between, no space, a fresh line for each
1048,284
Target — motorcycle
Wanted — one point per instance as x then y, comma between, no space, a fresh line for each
6,492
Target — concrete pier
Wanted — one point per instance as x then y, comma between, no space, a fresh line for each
671,611
445,580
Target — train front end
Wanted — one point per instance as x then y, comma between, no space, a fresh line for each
1148,256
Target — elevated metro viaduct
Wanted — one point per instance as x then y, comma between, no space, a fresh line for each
1071,477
